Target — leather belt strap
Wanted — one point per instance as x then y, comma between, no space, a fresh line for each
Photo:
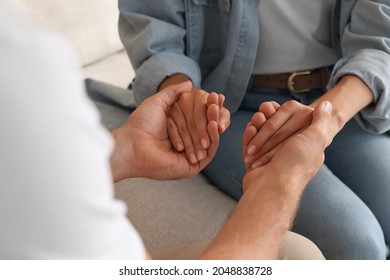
296,82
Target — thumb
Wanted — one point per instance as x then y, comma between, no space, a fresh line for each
322,114
322,119
169,95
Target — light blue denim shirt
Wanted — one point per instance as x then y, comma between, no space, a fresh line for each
214,43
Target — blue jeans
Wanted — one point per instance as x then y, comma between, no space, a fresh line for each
344,209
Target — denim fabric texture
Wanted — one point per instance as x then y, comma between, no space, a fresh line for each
214,43
344,208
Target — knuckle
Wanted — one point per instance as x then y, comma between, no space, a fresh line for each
291,105
183,129
266,158
271,126
171,125
278,135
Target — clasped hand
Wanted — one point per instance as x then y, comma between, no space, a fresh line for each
144,143
287,140
188,119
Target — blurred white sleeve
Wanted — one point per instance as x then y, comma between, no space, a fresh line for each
56,195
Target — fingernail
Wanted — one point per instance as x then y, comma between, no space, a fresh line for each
223,127
179,147
193,158
204,144
257,164
251,150
200,155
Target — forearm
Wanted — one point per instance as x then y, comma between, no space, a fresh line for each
260,221
348,97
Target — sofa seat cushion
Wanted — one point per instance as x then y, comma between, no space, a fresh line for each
114,69
174,213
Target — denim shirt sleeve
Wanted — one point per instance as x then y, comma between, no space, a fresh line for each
154,35
365,43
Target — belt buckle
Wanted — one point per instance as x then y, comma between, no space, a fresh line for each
291,83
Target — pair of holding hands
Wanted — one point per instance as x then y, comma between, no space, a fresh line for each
263,137
178,131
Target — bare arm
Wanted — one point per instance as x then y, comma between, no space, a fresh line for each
272,193
254,231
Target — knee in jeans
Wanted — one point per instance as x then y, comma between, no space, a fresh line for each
362,246
374,247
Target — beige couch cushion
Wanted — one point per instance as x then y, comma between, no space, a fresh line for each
174,213
85,23
115,69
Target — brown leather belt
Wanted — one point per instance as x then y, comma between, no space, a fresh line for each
296,82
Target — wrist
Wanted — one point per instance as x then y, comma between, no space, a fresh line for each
348,97
284,182
173,80
341,112
338,116
120,160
